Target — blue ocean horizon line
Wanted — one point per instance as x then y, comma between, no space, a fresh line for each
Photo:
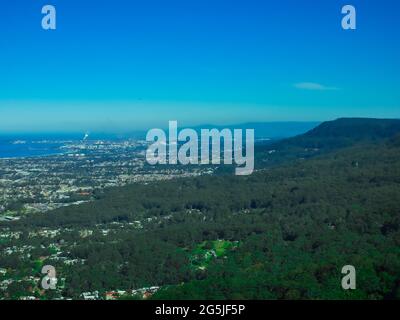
21,145
263,129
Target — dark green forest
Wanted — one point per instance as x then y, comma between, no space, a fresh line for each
320,201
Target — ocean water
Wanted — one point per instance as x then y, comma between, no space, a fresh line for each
34,145
12,149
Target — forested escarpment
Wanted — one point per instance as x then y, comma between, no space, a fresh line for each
327,137
285,231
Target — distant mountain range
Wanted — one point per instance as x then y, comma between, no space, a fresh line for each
302,132
270,130
355,129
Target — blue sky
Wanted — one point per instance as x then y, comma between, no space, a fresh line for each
126,65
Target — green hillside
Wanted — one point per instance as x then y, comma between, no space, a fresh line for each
327,137
281,233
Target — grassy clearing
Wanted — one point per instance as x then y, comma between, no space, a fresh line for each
205,252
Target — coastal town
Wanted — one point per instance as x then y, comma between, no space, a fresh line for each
73,176
40,184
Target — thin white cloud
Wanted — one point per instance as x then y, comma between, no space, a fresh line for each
313,86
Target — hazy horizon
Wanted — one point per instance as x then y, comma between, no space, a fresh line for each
134,66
